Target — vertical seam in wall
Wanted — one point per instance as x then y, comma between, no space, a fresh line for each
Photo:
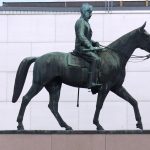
55,27
51,141
103,28
6,86
6,61
30,115
127,115
31,49
105,143
78,117
7,28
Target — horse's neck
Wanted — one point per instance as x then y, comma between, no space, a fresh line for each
124,47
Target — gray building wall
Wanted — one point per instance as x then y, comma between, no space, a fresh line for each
24,34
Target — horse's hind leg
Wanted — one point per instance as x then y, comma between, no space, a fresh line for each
54,93
35,88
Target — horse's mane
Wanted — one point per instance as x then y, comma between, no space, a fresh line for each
121,42
122,46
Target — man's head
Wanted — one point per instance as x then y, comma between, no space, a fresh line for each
86,11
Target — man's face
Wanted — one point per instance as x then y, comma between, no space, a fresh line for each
87,14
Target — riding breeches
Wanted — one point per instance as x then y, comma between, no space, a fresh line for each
90,57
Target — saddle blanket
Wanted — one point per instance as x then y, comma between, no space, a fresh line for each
76,61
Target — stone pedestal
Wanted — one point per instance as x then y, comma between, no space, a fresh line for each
74,140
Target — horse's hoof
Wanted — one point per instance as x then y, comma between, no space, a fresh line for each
20,127
69,128
100,128
139,125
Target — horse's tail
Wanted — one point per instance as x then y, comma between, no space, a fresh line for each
21,76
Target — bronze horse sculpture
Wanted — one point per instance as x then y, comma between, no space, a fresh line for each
53,69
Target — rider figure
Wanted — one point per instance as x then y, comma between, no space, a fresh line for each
84,46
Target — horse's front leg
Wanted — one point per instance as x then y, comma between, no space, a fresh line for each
121,91
100,100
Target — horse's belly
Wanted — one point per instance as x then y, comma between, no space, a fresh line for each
76,76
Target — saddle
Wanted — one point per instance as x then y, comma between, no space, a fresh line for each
76,61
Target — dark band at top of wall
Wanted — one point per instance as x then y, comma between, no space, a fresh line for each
78,4
74,6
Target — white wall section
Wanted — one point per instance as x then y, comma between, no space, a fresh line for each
34,34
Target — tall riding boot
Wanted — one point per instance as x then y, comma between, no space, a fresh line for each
93,76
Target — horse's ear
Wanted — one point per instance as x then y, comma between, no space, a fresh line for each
142,27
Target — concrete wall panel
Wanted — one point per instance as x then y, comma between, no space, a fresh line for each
137,84
23,142
3,28
130,142
65,27
78,142
31,28
8,116
3,86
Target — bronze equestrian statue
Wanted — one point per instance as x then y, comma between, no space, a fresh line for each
53,69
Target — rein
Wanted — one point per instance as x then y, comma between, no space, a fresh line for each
132,56
140,58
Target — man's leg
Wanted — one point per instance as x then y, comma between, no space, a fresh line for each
95,65
94,61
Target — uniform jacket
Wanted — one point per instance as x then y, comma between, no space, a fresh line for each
83,35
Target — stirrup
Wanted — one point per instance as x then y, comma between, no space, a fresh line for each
94,85
96,88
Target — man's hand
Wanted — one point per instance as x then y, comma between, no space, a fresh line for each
96,48
97,44
92,48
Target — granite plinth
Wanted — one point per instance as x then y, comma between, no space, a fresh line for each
75,140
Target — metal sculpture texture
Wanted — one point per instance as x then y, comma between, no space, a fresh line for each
53,69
